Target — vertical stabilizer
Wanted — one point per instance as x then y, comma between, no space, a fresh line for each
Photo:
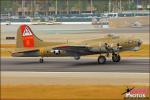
26,38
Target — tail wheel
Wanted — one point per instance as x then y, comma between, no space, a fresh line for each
77,57
41,60
101,59
116,58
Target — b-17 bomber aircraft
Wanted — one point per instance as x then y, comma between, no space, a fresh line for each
29,45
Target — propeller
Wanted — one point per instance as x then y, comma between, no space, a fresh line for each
108,48
139,42
112,48
119,46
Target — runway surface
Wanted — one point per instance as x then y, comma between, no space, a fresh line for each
71,65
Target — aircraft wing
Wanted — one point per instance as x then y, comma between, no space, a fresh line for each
75,50
26,51
85,50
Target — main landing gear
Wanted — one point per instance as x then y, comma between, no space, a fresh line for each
101,59
115,58
41,60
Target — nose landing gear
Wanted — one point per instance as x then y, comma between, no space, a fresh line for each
115,58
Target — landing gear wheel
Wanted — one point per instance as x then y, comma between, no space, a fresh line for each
41,60
77,57
116,58
101,59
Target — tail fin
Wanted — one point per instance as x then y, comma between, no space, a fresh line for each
26,38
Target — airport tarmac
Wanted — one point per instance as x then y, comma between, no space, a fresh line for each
133,65
74,28
73,33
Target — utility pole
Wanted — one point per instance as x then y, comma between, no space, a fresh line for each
91,6
31,8
23,12
116,7
34,8
109,6
79,6
67,7
56,7
137,3
120,6
129,5
47,7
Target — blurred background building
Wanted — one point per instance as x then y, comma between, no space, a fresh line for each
38,8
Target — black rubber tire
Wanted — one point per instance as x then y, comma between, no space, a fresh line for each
77,57
101,59
116,58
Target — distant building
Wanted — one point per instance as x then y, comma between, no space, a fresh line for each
51,7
